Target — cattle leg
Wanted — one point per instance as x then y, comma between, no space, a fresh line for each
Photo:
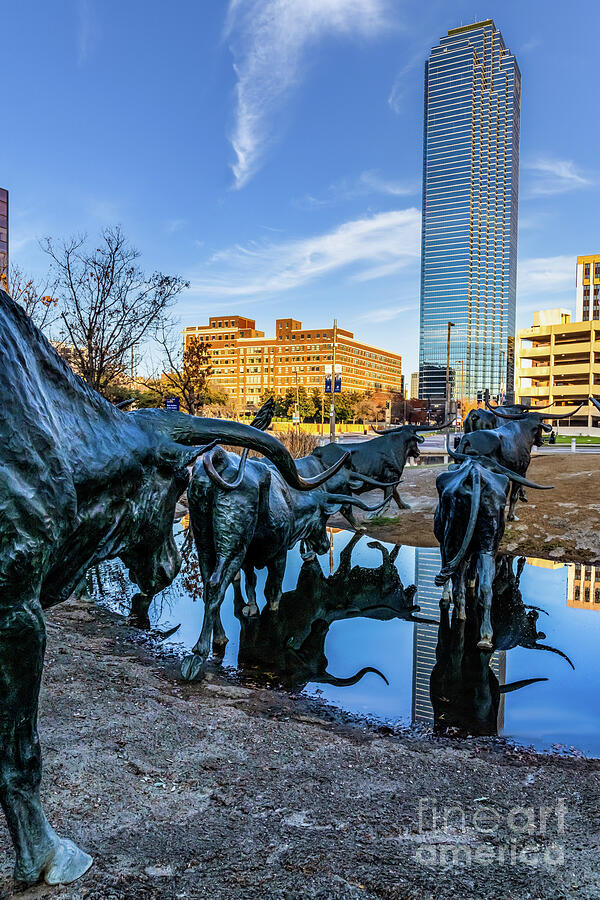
274,582
140,605
39,850
214,594
348,515
251,608
461,592
399,500
514,496
219,638
485,575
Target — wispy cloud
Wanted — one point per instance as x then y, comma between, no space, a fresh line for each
529,45
546,275
269,40
386,313
554,176
367,183
367,248
401,82
173,225
86,29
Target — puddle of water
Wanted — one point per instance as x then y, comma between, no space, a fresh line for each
352,610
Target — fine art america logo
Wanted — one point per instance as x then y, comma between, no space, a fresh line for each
486,835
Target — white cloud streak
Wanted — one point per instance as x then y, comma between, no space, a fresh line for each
368,183
546,275
387,313
554,176
85,29
269,40
369,248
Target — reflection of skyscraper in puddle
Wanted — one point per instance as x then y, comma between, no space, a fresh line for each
427,565
583,586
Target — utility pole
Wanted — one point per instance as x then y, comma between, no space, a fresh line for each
332,407
450,325
297,399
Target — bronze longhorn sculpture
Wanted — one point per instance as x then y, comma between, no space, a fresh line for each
82,482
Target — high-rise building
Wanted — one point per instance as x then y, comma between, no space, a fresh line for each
245,363
3,239
470,208
587,300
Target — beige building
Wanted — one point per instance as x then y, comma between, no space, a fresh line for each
583,586
245,363
558,363
587,298
414,386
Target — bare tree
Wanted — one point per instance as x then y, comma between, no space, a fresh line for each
185,370
37,298
107,304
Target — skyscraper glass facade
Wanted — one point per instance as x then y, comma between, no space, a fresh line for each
470,210
3,239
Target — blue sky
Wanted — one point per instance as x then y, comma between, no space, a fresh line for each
270,150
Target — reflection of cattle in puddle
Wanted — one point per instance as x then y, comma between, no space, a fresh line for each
515,622
465,692
289,647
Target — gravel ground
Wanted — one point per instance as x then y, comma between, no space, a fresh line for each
221,790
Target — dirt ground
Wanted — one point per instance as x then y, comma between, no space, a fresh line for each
562,524
220,790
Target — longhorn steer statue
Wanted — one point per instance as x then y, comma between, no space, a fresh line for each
483,419
382,459
469,524
82,482
249,522
510,445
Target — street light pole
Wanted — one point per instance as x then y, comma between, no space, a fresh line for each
332,407
450,325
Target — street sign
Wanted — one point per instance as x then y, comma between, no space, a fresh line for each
337,385
328,369
172,403
338,368
328,384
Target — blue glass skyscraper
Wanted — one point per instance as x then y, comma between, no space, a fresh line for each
470,214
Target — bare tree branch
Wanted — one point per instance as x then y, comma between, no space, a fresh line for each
107,305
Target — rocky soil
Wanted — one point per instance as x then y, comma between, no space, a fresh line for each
225,791
562,524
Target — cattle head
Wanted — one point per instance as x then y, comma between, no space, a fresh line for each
533,419
151,554
408,436
327,505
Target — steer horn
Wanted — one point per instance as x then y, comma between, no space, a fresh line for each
190,430
595,402
496,467
537,646
366,479
327,678
523,415
123,403
415,428
347,499
517,685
